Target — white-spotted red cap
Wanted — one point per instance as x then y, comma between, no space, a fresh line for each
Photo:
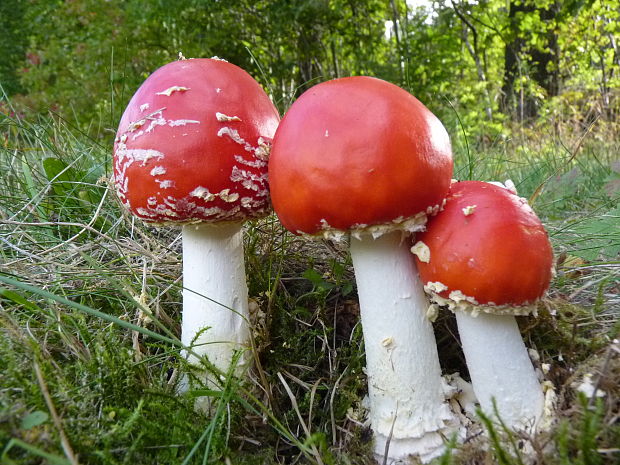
193,145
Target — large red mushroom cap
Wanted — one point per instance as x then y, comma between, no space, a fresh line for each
193,145
359,154
486,251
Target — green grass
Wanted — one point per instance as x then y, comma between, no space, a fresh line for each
90,309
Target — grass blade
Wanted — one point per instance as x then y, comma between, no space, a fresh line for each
88,310
51,458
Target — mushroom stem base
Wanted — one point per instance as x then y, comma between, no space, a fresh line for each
215,297
500,369
407,401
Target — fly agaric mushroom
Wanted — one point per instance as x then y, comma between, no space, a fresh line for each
362,157
489,258
191,150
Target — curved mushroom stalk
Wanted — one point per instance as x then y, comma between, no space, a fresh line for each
407,403
215,296
506,376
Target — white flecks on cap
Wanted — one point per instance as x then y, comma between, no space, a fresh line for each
433,210
165,184
202,193
435,286
234,135
511,186
248,202
154,122
145,212
181,122
155,118
144,107
129,156
158,170
226,196
411,224
158,211
169,210
469,210
249,180
457,301
262,151
168,92
222,118
135,125
421,250
124,158
508,185
458,296
251,163
170,201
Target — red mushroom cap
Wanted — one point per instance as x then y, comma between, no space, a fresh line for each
356,152
193,145
488,244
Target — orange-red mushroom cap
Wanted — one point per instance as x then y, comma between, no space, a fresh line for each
193,145
487,251
361,154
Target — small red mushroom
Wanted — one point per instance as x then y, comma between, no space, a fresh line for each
362,157
191,150
488,258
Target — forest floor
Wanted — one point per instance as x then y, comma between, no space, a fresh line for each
90,310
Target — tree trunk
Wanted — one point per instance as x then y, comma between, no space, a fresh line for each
539,63
399,50
307,58
474,52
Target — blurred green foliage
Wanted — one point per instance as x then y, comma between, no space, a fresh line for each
490,62
13,45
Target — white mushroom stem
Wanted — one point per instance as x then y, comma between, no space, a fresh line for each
215,295
500,369
407,402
